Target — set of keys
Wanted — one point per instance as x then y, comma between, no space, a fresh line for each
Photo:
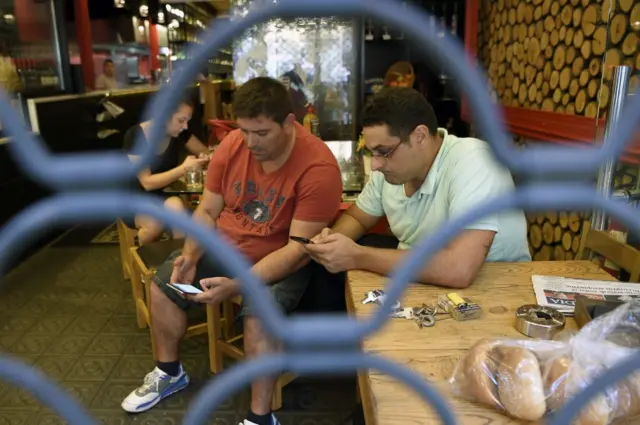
424,316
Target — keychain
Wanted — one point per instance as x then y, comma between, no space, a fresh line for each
377,296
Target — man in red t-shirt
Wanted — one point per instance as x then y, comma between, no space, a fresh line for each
267,180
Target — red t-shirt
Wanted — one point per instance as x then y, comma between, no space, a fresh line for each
259,207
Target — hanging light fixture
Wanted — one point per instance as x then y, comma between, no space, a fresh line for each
119,3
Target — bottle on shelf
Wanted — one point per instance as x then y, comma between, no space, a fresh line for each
369,31
385,35
454,20
432,19
442,21
311,121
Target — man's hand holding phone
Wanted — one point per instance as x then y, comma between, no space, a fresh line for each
184,270
183,275
216,290
335,251
322,236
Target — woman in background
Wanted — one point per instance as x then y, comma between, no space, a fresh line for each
166,167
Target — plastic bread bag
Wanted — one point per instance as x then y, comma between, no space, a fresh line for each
528,378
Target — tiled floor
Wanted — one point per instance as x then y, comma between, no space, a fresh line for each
69,313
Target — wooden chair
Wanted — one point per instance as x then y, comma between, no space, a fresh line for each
145,260
224,341
214,106
325,293
227,112
127,240
218,326
601,242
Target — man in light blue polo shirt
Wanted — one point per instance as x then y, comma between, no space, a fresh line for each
421,178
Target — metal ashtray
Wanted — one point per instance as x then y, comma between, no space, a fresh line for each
537,321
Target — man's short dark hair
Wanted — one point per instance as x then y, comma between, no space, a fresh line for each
263,96
106,61
401,109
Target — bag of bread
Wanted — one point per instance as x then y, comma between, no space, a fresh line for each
528,378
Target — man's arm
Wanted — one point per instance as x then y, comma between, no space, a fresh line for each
195,146
318,198
475,178
207,213
291,257
364,213
455,266
355,223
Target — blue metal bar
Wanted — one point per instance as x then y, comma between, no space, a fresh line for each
47,392
320,343
235,378
108,205
619,91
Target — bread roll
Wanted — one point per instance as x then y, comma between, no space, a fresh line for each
520,385
627,397
596,413
479,369
554,374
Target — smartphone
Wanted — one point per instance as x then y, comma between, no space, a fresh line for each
300,239
184,288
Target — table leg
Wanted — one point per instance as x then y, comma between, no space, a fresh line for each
364,395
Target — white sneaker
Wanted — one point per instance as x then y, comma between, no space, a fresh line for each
157,385
274,421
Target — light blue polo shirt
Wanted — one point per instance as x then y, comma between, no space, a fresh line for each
464,174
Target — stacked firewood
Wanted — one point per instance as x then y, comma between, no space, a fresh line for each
555,235
550,54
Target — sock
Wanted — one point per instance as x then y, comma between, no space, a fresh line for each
170,368
259,419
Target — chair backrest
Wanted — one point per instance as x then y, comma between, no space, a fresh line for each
212,101
227,112
126,235
601,242
220,130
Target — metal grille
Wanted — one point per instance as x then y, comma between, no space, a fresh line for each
313,56
319,343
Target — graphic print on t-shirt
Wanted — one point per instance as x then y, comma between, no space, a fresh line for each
257,206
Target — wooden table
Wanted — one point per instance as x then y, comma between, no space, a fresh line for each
433,352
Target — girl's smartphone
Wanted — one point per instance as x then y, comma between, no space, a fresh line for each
300,239
184,288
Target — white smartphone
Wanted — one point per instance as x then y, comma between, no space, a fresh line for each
184,288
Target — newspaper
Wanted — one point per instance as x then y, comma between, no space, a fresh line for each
561,292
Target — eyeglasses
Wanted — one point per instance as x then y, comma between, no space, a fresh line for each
387,154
